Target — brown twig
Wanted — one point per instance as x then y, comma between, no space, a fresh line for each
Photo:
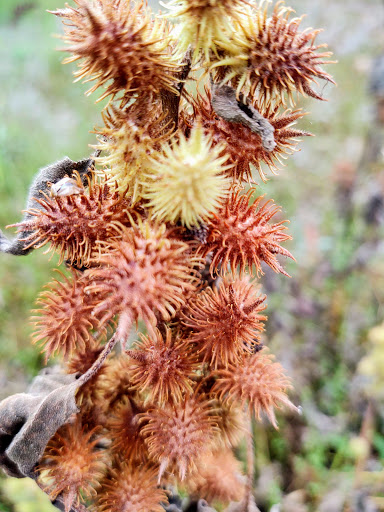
100,360
250,462
170,100
366,432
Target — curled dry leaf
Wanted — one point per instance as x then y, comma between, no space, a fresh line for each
28,420
202,506
227,106
38,189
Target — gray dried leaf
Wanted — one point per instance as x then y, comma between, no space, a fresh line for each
202,506
172,508
39,187
29,420
226,105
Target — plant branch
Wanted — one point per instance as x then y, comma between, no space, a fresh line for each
171,101
100,360
250,461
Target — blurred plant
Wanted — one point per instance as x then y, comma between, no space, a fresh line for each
164,235
25,496
371,366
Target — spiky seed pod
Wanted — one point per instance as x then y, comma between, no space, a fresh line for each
163,366
145,273
65,322
125,431
257,382
241,234
129,488
120,45
115,384
186,181
204,22
83,360
230,420
243,147
218,477
274,58
129,136
177,436
226,321
71,464
73,224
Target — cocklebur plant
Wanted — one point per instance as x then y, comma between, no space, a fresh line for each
162,233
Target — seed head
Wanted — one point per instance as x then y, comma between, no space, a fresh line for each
225,321
125,431
65,322
274,58
243,147
73,224
218,477
115,384
163,367
129,488
203,23
130,135
71,465
258,382
240,235
231,424
178,436
145,273
120,46
186,181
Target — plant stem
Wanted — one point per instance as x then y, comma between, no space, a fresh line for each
171,101
100,360
250,461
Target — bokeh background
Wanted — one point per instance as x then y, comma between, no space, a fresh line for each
325,323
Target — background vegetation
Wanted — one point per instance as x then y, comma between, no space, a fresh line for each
320,322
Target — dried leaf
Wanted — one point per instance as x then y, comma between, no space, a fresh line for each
29,420
202,506
40,186
227,106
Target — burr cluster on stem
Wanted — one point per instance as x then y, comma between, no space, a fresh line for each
165,236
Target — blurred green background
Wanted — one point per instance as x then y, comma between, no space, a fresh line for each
320,324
